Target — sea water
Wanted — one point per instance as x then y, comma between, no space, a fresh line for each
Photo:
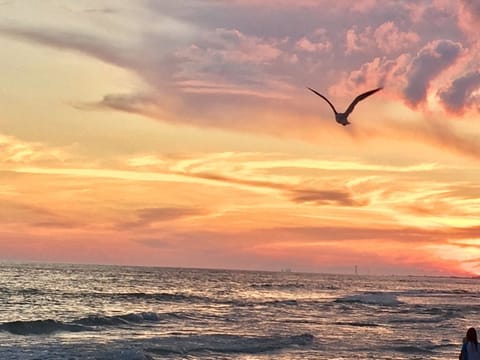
58,311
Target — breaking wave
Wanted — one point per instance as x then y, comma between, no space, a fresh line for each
372,298
90,323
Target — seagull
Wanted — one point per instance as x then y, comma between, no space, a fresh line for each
341,118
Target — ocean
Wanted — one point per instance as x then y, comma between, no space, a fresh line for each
60,311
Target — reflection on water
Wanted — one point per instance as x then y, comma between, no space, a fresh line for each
59,311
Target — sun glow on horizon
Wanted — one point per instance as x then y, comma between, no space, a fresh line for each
207,149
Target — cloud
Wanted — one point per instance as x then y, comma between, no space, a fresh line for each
460,94
319,247
225,51
387,38
430,61
148,217
227,69
322,235
104,10
390,39
473,6
57,224
324,197
378,72
358,41
73,40
443,135
298,193
468,17
450,202
436,133
166,213
407,235
24,214
226,61
134,103
316,42
182,81
14,151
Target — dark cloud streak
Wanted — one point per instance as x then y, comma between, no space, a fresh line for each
149,216
297,193
325,197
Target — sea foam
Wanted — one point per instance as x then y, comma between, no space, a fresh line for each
372,298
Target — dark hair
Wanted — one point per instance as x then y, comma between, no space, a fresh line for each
472,337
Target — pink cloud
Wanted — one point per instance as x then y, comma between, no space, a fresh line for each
358,41
361,6
390,39
378,72
231,46
312,247
387,38
306,45
460,94
469,18
316,42
230,62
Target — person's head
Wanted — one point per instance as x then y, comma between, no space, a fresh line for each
472,335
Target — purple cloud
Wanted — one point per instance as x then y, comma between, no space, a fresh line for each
473,6
431,60
459,94
241,66
390,38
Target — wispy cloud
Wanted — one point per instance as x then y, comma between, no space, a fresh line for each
390,38
69,39
15,151
297,246
148,218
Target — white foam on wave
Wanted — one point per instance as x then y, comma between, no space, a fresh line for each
372,298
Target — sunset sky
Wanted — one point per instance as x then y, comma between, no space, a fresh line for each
181,133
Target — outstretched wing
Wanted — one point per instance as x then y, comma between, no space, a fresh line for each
360,98
324,98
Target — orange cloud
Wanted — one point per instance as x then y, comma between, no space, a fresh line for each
396,189
14,151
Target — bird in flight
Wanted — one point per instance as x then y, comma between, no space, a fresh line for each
342,118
